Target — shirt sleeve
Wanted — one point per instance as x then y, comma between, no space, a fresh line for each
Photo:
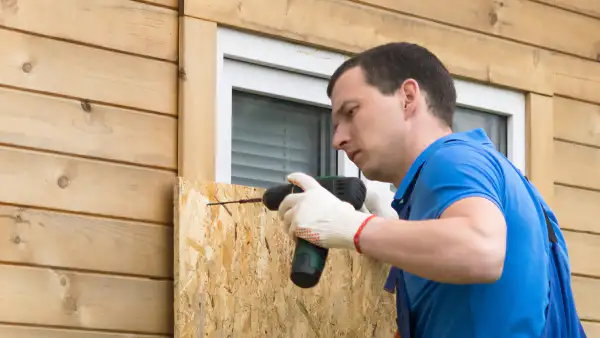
454,172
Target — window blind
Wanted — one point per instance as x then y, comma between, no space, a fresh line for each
273,137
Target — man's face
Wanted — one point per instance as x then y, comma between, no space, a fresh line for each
369,126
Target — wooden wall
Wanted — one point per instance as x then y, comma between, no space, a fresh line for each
89,133
88,158
554,60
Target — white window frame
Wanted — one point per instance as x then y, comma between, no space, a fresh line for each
297,72
273,68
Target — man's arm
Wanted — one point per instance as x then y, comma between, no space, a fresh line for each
467,243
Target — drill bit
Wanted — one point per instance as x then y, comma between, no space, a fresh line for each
249,200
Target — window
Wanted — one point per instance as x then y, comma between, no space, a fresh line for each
273,112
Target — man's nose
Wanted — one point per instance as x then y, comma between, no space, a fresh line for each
340,138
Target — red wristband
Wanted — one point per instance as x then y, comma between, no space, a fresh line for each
357,234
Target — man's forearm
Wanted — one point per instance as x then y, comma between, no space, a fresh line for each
449,250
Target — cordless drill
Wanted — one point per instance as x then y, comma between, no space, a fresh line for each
309,259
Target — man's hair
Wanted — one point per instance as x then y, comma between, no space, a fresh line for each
387,66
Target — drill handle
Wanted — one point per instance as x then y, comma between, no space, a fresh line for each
347,189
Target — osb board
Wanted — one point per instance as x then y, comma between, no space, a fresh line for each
232,268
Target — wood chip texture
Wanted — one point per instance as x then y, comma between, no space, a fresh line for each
232,268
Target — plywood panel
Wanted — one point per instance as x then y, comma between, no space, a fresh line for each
511,19
232,276
53,297
577,165
575,208
77,127
584,250
576,78
123,25
587,7
351,27
197,94
62,182
78,242
585,292
64,68
577,121
41,332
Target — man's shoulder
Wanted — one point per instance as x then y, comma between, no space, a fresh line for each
459,150
460,159
457,170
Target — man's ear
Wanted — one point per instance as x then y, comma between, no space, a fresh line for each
410,93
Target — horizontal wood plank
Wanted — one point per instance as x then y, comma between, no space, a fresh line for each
577,121
577,165
67,183
63,68
587,7
592,329
54,297
73,126
575,208
168,3
352,27
48,238
576,78
15,331
585,292
510,19
123,25
584,250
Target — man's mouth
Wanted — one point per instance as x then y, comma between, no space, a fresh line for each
352,155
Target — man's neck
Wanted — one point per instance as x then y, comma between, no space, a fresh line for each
417,145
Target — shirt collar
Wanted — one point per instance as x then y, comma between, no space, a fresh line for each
477,135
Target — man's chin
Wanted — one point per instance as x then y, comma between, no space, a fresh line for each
373,174
368,173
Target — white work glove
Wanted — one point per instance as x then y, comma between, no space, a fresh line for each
319,217
379,202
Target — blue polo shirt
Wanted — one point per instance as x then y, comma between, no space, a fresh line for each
454,167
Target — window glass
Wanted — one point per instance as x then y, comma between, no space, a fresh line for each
494,125
273,137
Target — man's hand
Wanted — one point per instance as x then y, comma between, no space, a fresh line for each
379,203
318,216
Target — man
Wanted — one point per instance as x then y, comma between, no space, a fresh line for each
467,235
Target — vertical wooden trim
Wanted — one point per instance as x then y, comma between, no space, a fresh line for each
540,144
197,98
